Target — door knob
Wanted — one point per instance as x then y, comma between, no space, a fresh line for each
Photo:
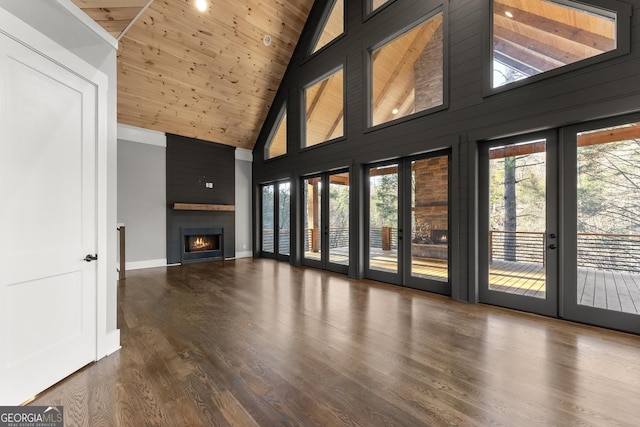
552,246
90,257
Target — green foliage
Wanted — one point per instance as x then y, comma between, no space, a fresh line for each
338,206
384,201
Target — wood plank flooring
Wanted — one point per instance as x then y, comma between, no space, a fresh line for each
258,342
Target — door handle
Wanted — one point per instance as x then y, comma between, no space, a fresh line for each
90,257
552,246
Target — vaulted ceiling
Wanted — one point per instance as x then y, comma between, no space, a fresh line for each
210,75
213,75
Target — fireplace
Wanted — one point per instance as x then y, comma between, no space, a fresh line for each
201,244
440,237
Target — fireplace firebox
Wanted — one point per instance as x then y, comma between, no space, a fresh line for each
440,237
201,244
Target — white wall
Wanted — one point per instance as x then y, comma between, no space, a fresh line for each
244,159
142,196
78,34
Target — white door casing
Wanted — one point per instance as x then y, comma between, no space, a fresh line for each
48,218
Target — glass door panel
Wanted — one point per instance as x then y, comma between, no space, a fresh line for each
518,223
284,218
517,218
383,218
338,239
608,218
268,219
430,218
312,189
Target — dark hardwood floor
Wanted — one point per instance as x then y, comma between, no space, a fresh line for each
258,342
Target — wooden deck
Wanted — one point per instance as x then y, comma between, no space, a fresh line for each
517,278
609,290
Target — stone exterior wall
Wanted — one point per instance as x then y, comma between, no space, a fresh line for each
428,74
432,193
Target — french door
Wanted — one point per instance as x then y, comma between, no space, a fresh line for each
276,220
602,230
407,208
326,200
559,224
519,223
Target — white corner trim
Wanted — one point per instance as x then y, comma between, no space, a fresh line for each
133,21
143,136
152,263
244,254
89,22
244,154
112,343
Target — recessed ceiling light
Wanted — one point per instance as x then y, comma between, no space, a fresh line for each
395,111
509,14
201,5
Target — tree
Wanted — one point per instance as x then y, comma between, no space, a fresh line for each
609,188
386,200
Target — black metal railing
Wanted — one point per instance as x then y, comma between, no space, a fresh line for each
617,252
376,239
268,243
338,238
517,246
614,252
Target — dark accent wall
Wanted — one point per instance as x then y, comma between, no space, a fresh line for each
192,163
470,114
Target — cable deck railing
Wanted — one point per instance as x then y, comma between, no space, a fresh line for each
615,252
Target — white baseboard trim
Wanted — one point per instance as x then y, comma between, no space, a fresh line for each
138,265
112,343
245,254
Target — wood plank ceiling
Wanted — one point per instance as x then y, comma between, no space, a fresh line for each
115,16
207,75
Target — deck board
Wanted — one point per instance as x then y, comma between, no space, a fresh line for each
609,290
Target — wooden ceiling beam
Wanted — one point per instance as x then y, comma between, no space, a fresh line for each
316,98
385,170
339,179
553,28
604,136
543,49
528,58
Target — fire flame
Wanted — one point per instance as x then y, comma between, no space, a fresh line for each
199,243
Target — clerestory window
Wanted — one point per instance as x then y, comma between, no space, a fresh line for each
333,26
536,36
277,144
324,110
408,72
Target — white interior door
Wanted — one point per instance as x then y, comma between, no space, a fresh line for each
47,222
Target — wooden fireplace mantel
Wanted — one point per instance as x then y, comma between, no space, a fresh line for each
202,207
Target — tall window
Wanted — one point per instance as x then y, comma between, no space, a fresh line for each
325,110
333,26
376,4
268,220
535,36
277,145
407,72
